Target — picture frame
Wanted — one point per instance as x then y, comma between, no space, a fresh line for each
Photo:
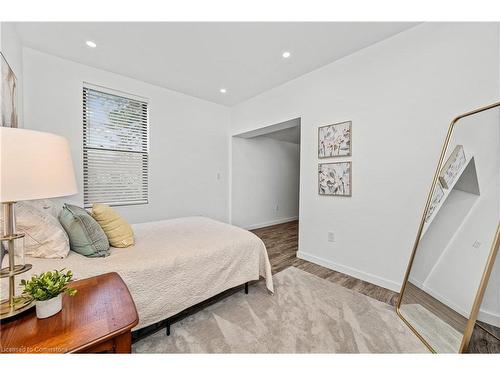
335,179
453,165
8,95
437,196
335,140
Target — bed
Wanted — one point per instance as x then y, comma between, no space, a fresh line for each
175,264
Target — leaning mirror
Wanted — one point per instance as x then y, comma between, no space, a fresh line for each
453,258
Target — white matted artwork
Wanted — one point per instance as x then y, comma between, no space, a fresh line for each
334,179
452,166
437,195
334,140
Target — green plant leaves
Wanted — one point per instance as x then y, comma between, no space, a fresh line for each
48,285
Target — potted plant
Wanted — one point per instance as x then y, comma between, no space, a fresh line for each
47,289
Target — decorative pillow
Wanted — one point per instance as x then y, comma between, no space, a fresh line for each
48,206
119,232
86,237
44,236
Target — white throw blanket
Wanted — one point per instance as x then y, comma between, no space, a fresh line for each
174,264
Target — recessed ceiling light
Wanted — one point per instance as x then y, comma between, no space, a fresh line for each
223,91
286,54
91,44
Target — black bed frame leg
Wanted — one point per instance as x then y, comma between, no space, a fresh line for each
168,328
246,288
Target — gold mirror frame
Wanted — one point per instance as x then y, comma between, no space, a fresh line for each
489,262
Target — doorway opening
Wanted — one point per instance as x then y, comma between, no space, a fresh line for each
266,175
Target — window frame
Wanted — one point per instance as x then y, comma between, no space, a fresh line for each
85,147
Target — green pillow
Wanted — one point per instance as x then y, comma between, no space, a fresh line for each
86,236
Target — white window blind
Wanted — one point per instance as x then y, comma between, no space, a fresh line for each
115,149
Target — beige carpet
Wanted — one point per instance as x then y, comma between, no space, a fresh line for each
305,315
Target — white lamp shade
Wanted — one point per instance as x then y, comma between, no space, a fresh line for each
34,165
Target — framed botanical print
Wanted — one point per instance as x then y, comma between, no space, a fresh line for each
334,140
453,165
335,179
437,196
8,95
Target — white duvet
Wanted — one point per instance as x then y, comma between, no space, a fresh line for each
175,264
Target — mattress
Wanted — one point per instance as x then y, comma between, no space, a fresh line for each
174,264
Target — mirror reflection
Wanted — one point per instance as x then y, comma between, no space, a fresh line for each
456,240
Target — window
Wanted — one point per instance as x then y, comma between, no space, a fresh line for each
115,148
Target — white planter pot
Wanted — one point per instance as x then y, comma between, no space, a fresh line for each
50,307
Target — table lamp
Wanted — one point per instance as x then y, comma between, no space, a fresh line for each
33,165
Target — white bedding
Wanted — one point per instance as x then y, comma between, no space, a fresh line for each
175,264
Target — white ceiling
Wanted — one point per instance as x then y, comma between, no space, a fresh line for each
286,131
290,135
200,58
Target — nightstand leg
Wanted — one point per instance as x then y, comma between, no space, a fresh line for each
246,288
168,328
123,343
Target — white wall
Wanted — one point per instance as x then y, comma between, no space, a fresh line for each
188,136
401,95
11,47
265,181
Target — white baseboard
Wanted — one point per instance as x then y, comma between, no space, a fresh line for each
489,317
380,281
272,222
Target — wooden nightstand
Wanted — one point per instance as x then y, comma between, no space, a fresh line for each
97,319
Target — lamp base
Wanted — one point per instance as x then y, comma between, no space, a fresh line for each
21,304
18,268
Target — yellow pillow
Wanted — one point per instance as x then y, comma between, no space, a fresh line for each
119,232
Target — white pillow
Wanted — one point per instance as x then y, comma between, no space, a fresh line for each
46,205
44,235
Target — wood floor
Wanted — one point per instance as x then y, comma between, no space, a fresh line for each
415,295
282,244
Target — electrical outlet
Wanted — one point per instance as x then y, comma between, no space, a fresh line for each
331,237
277,208
218,175
476,244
